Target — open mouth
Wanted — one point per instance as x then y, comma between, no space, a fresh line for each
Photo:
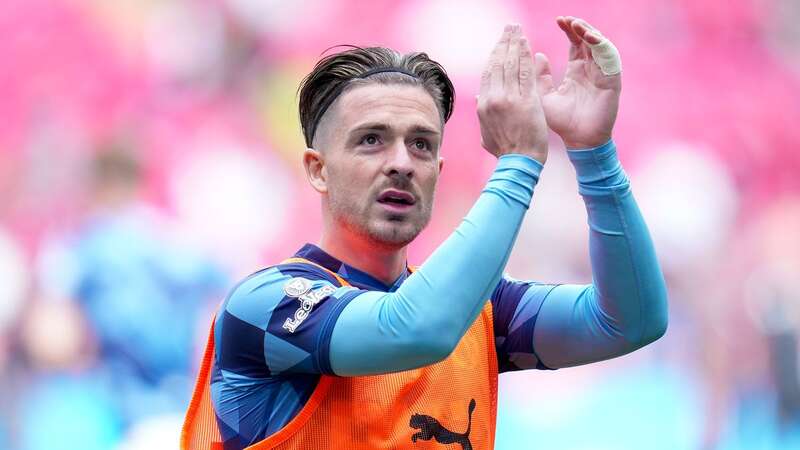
392,197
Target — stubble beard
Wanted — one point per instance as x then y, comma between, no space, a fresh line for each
382,229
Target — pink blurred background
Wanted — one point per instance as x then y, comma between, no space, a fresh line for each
150,156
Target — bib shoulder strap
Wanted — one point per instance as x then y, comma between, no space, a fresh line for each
297,260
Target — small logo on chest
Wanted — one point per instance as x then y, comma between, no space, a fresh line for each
300,288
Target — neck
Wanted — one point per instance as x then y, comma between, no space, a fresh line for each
385,264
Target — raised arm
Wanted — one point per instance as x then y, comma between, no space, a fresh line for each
625,308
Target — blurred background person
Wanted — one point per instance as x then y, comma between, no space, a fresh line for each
110,331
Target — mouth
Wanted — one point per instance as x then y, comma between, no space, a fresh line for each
397,201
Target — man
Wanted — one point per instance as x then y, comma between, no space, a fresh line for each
344,346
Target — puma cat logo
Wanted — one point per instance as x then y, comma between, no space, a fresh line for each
430,428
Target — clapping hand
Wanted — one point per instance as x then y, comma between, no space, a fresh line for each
583,108
509,109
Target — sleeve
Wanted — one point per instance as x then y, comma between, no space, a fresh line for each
277,322
625,308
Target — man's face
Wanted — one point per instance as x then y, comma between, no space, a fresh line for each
380,146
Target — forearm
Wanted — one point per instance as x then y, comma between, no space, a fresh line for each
626,306
425,318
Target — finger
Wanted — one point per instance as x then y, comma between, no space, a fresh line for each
486,80
494,56
544,78
584,23
527,82
604,53
586,32
565,23
576,47
592,39
497,60
511,67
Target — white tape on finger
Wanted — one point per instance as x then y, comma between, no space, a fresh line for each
606,56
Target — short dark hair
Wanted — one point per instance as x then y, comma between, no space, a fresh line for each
336,73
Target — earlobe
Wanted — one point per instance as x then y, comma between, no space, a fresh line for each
316,172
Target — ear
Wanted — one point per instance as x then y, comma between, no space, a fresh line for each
316,172
441,165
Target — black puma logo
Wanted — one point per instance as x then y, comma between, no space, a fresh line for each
431,428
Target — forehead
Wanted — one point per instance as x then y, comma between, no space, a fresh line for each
396,105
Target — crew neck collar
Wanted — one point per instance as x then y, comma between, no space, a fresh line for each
356,277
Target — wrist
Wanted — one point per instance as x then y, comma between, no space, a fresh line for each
538,155
586,144
541,158
514,178
598,169
520,161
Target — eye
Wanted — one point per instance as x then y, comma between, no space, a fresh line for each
370,139
421,144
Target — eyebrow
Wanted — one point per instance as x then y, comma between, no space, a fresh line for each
380,126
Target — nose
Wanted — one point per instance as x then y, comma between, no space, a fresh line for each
399,160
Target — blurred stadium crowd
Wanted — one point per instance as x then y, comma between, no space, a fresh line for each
149,157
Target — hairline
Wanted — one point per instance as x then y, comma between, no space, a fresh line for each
355,83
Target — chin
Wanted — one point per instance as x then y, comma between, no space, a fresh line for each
393,234
384,231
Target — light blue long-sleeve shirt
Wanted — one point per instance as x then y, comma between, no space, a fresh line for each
269,370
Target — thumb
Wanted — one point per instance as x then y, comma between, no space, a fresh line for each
544,78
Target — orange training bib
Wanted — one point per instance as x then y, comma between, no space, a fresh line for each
442,406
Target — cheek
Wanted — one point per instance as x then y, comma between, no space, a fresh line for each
428,184
351,184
